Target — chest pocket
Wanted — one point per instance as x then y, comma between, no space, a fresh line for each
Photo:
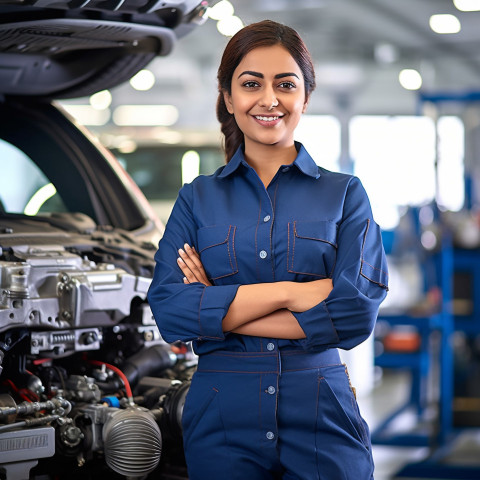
216,245
312,248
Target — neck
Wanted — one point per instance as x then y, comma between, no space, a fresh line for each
266,159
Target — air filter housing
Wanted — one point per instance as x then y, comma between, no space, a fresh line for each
132,442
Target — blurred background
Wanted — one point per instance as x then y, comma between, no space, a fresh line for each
398,86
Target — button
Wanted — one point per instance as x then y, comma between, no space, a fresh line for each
263,254
270,435
270,346
266,218
285,169
271,390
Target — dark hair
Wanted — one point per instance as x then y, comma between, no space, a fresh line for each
266,33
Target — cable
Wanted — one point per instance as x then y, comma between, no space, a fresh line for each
122,376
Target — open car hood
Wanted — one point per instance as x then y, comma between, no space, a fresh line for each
65,49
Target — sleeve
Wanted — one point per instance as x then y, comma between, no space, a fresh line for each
360,280
185,311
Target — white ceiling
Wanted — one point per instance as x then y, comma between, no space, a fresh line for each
343,37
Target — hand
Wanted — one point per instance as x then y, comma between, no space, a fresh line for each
305,295
191,266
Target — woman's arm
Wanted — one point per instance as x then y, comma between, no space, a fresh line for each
256,302
279,324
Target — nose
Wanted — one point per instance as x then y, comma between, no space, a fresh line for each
268,99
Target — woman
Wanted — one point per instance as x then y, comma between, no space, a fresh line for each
268,266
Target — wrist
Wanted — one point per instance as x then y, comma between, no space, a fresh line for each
285,294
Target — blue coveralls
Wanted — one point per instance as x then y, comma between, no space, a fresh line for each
266,408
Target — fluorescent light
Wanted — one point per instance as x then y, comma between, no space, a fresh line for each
220,10
445,24
145,115
39,198
190,166
87,115
229,26
143,80
101,100
127,146
467,5
410,79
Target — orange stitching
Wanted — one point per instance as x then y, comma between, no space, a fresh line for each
228,248
216,244
233,247
288,245
200,329
314,238
311,274
272,259
375,268
294,239
256,239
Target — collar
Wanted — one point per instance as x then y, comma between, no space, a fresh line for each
304,162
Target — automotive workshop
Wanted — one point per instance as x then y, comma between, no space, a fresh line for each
108,108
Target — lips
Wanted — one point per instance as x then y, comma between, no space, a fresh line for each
268,120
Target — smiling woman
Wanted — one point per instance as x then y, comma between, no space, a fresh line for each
269,265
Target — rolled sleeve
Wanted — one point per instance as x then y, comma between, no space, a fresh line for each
360,280
185,311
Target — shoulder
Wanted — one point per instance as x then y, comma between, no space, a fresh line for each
344,180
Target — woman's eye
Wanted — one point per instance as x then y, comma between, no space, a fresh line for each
250,84
287,85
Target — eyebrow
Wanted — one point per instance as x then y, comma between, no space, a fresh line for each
260,75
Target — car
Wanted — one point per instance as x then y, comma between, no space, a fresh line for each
88,388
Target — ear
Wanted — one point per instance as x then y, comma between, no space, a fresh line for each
305,105
228,101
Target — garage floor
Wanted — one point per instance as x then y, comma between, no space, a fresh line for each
391,392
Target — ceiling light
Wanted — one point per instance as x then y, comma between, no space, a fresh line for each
127,146
445,23
229,26
220,10
190,166
385,53
101,100
39,198
467,5
87,115
145,115
410,79
143,80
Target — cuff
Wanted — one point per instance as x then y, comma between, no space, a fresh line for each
214,305
317,326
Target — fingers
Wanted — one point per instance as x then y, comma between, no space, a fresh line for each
191,266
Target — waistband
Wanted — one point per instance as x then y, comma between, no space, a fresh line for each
225,361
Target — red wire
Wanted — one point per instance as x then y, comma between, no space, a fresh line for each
39,361
128,390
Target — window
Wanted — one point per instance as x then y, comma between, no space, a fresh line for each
395,159
23,186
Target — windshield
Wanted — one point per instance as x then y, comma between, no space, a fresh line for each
24,188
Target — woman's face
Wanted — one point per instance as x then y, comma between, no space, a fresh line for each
267,76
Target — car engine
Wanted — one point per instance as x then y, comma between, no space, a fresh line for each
88,388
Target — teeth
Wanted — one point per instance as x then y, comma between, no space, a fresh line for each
266,119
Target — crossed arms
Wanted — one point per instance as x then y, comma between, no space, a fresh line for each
262,309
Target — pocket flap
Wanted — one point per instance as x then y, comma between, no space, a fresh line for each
211,236
323,231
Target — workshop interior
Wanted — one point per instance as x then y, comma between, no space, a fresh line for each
92,89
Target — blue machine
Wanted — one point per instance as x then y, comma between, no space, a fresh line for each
439,268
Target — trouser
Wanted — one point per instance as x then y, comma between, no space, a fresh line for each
262,416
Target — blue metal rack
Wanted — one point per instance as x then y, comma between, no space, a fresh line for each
419,363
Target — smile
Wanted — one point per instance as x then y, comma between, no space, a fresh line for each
266,119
